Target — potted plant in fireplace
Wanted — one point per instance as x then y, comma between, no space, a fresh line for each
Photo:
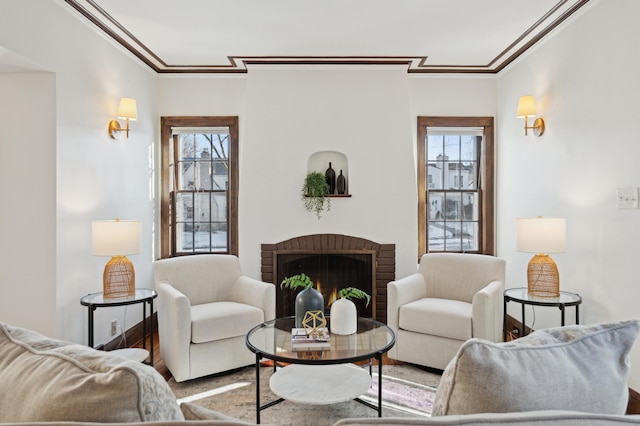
344,314
314,193
309,299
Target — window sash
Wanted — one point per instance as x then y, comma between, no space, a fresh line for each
479,223
219,187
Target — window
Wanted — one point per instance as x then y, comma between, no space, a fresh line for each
455,184
199,206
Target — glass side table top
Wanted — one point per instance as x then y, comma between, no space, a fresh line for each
521,294
273,340
97,299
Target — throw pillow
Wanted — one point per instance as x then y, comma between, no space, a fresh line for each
579,368
43,379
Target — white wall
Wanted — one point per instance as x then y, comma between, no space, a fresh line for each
586,81
95,177
28,225
289,113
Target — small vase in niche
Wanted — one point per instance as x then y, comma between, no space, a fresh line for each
308,299
330,176
341,183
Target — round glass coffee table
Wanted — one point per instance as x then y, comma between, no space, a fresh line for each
320,375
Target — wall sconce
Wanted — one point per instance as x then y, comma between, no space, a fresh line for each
527,108
127,110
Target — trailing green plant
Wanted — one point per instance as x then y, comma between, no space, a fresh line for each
314,193
354,293
296,281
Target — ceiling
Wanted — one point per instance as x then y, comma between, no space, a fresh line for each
429,36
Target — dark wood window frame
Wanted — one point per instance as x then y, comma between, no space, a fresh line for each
166,124
487,181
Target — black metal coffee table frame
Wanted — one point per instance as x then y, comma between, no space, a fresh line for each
284,325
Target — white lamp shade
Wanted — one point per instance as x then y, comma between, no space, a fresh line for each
542,234
128,109
527,106
115,237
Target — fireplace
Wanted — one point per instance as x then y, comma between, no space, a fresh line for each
333,262
330,272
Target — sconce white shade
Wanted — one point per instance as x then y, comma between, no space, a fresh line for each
115,237
527,106
542,234
128,109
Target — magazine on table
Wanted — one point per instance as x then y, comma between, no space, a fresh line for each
300,340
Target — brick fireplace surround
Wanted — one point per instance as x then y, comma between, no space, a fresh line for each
385,268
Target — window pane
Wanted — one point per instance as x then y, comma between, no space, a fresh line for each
470,206
437,235
184,207
470,236
435,147
435,175
468,172
219,207
453,206
435,201
452,147
468,146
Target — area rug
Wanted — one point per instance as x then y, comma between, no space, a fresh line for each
407,391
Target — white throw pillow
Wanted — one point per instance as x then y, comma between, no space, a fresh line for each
578,368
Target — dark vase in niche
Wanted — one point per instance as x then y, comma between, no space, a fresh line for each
308,299
330,176
341,183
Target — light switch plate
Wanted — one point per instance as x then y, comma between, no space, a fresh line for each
627,198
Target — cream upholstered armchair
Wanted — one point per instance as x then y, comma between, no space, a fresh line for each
452,298
206,306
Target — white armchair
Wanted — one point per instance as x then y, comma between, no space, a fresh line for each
205,309
452,298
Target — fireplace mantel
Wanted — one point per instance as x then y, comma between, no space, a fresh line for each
385,259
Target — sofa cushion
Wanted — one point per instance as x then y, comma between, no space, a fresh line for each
47,379
222,320
578,368
438,317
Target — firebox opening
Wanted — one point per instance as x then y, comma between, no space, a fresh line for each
331,272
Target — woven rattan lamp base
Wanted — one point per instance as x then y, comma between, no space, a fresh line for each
543,279
119,278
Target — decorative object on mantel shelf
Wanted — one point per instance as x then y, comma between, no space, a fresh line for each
308,299
341,183
330,177
314,193
344,314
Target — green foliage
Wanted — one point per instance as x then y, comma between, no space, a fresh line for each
297,281
354,293
314,193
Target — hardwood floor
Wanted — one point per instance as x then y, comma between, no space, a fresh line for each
158,363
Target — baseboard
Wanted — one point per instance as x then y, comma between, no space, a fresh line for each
132,336
514,328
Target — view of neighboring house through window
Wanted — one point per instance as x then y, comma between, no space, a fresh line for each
455,211
452,159
201,214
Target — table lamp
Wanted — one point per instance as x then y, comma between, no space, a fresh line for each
116,238
542,235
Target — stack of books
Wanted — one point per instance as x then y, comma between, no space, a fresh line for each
300,341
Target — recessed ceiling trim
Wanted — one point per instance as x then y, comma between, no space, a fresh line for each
415,64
